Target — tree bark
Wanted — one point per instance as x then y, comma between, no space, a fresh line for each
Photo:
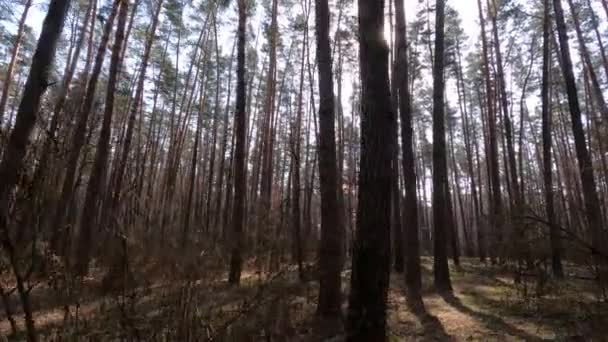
440,172
240,170
556,260
496,218
94,188
14,152
591,199
330,250
79,132
371,254
410,230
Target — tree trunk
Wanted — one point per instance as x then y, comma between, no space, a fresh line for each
14,152
330,251
496,218
139,92
371,254
440,171
556,259
591,200
94,188
240,170
410,231
79,132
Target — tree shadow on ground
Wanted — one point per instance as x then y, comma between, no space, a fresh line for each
431,326
492,322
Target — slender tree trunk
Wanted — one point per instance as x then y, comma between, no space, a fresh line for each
94,188
11,64
596,87
296,141
496,218
591,199
139,92
556,259
410,232
240,170
440,176
79,132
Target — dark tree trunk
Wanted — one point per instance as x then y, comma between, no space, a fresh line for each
79,133
240,171
14,152
556,259
42,167
139,92
493,166
371,254
330,250
94,188
591,199
441,191
410,229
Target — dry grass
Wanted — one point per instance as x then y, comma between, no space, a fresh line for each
486,306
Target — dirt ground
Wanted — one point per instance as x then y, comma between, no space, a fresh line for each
485,306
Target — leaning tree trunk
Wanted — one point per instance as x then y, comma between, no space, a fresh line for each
91,205
371,255
14,152
120,173
79,133
591,199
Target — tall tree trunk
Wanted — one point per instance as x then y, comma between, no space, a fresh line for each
215,118
441,190
496,218
556,258
504,105
79,133
94,188
371,254
296,142
330,250
410,231
223,145
139,92
596,87
16,147
65,87
11,64
240,170
265,203
194,162
591,199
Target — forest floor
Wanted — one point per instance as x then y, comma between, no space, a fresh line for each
486,306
